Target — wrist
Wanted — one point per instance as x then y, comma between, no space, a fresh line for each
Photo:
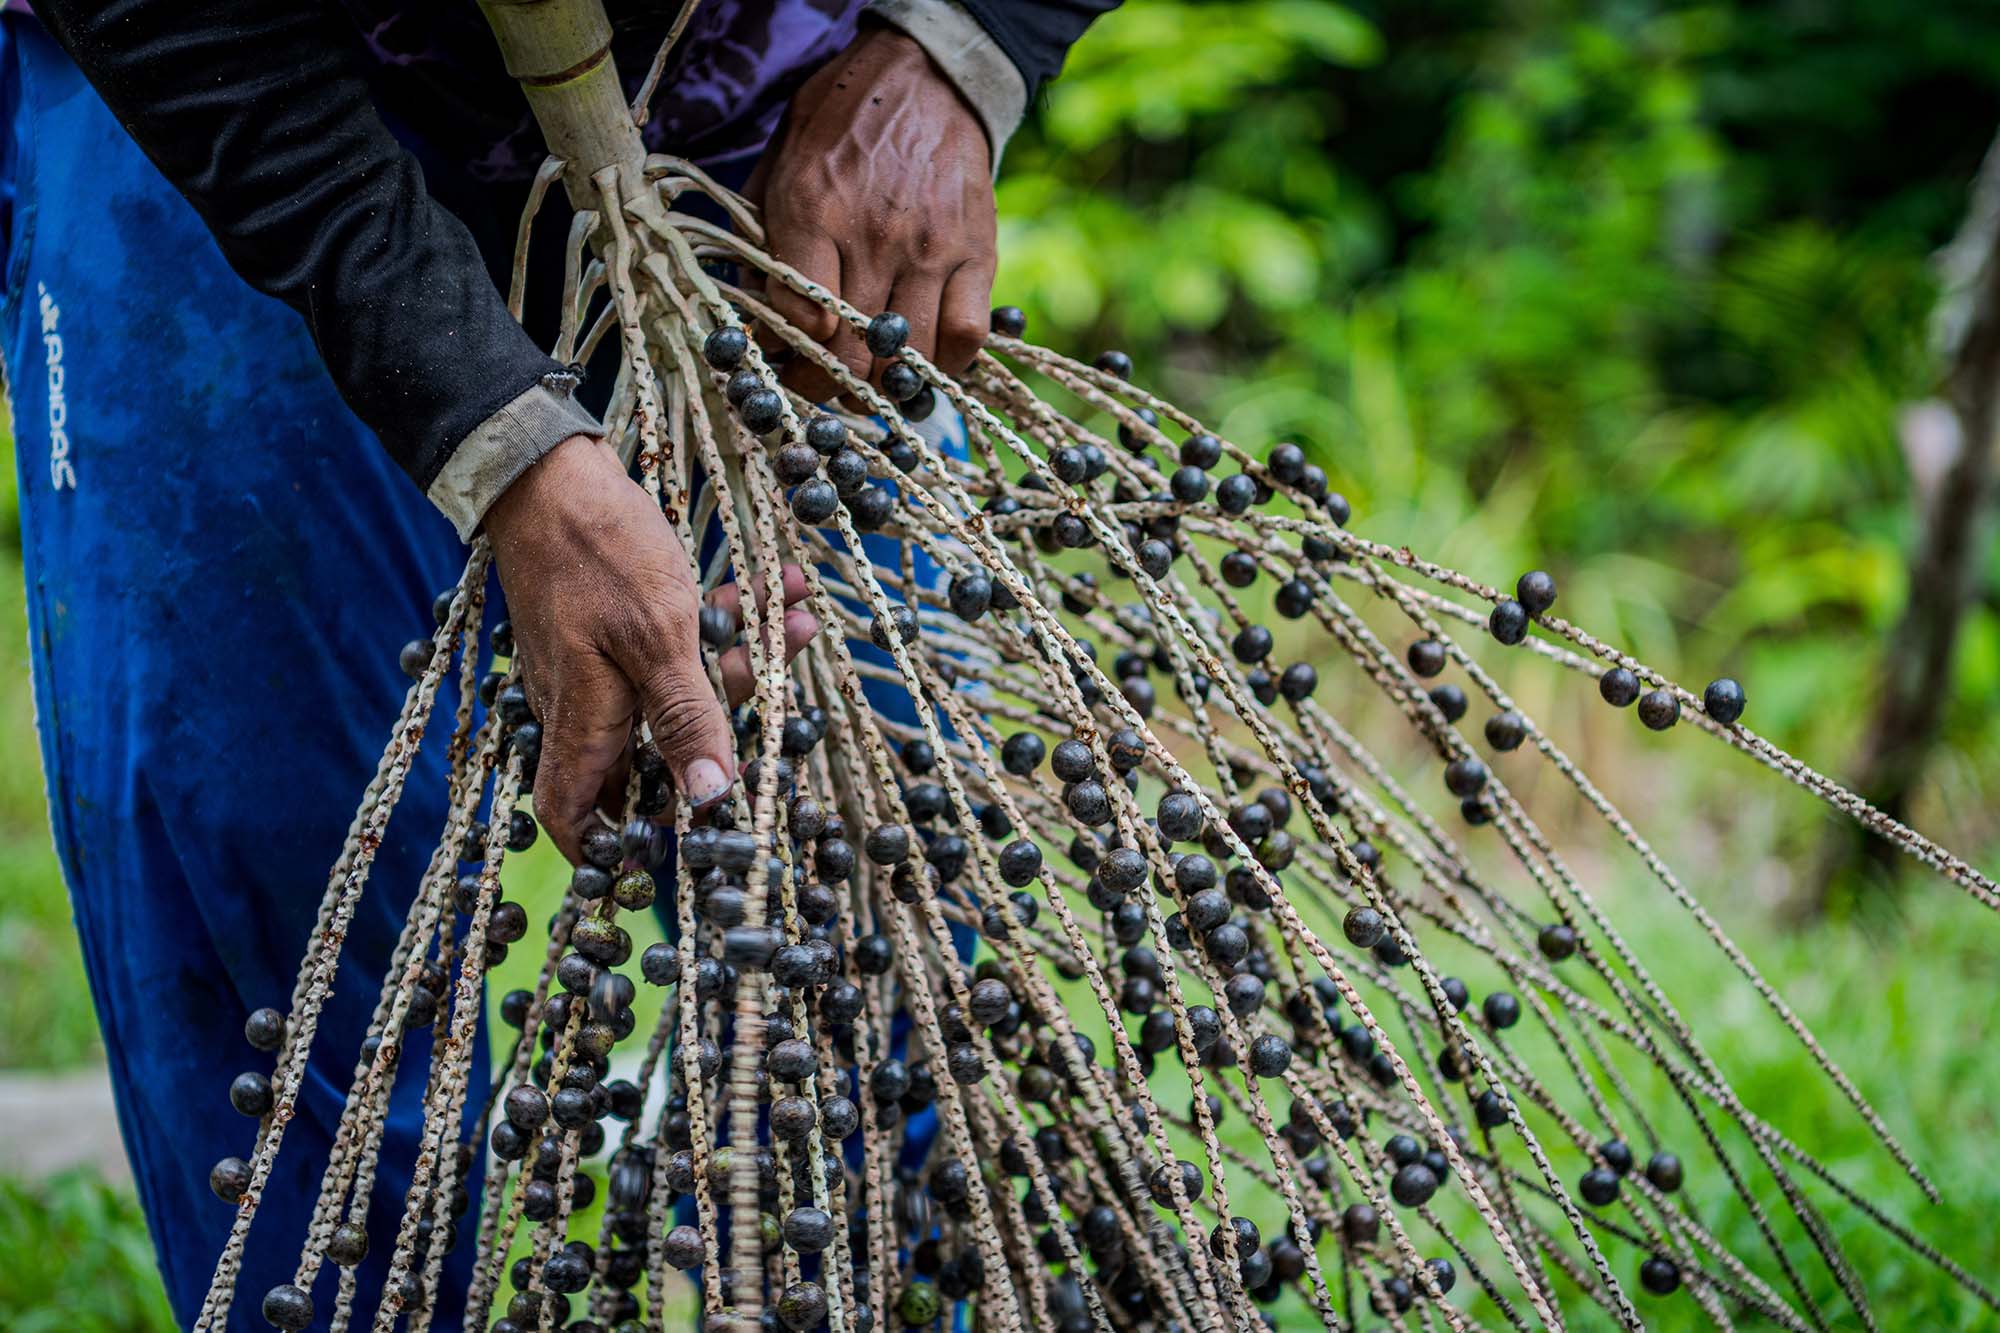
963,54
503,448
533,498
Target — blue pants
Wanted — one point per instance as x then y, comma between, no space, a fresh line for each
221,565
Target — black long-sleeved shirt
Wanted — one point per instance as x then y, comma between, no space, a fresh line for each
274,118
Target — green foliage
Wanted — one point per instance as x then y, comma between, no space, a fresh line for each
1927,1008
1634,291
83,1262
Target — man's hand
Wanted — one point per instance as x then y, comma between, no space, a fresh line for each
880,187
606,617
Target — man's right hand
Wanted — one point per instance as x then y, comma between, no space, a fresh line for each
606,613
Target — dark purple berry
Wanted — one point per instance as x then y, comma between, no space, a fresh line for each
1723,700
1508,622
1536,591
1618,687
1659,709
886,334
725,347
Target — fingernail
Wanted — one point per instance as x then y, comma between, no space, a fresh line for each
705,781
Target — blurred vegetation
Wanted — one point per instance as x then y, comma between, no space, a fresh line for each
1633,291
84,1263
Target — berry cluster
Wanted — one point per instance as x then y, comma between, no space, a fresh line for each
1061,952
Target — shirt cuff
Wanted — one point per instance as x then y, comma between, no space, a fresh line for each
505,445
970,58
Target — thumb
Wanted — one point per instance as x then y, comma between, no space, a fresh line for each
689,724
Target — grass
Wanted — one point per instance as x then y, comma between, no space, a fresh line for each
1906,1011
82,1260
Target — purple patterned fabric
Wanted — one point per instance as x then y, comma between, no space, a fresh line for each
438,77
